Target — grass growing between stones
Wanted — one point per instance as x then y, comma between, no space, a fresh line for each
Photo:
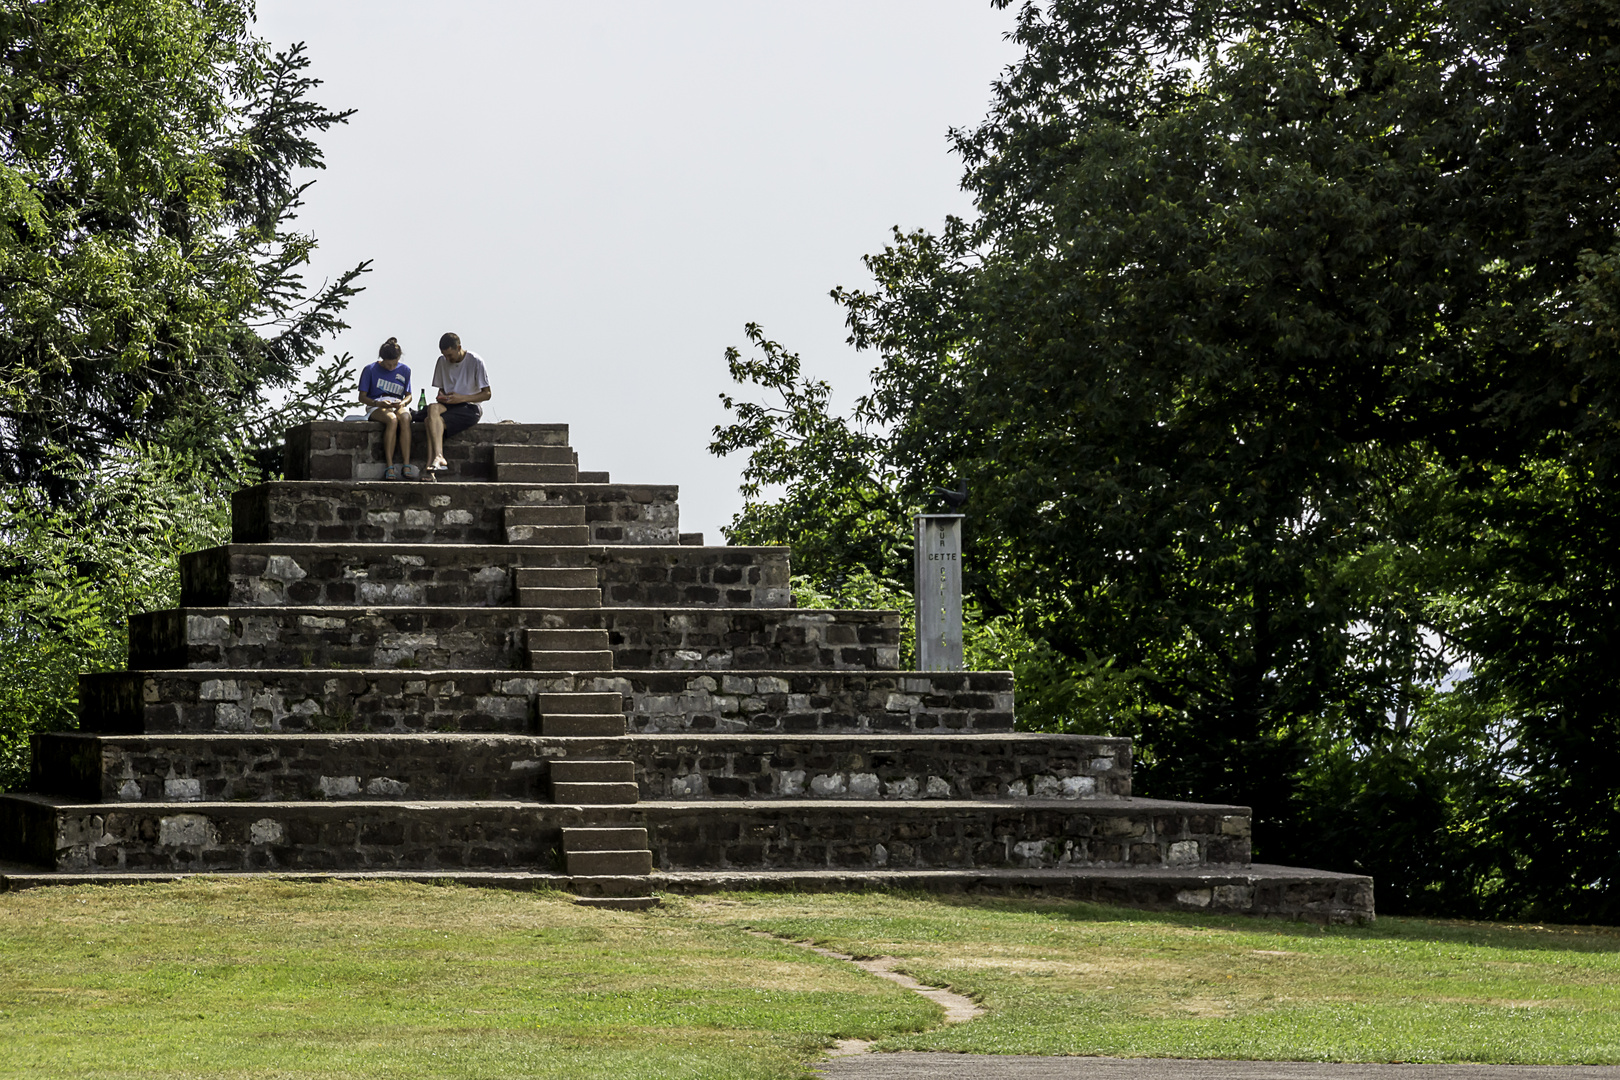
1082,979
277,979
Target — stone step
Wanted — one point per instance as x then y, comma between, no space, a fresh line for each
172,768
587,597
787,834
559,535
604,863
618,903
544,514
503,454
328,450
477,575
590,887
594,478
587,725
485,637
514,473
691,539
343,512
1260,889
606,702
606,771
557,660
861,704
568,640
594,794
559,577
588,839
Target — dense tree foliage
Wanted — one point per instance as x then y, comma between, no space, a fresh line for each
149,284
151,304
1279,359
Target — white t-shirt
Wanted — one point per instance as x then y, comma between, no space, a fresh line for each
466,376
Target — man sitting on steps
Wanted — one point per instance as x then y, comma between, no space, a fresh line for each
462,383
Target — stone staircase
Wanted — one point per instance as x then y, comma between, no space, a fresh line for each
526,676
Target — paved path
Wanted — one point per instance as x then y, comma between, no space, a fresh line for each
998,1067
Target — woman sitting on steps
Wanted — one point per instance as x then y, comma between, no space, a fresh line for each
385,390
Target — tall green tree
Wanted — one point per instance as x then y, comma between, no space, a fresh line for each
149,267
1277,335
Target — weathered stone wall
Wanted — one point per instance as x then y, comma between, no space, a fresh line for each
493,637
330,450
203,701
328,638
699,576
250,701
474,575
303,836
792,702
724,638
793,834
783,834
347,513
1005,766
192,768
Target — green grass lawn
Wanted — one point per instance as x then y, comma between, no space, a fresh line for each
1080,979
266,979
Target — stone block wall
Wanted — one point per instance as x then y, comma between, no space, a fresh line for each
333,702
201,701
697,576
720,638
290,767
882,767
802,702
331,450
475,575
342,513
495,637
829,834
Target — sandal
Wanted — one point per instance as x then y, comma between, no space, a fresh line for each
412,473
439,463
391,473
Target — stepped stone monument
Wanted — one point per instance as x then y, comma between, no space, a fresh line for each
526,676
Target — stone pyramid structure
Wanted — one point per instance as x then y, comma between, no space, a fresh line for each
524,675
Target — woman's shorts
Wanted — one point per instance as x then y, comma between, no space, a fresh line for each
458,418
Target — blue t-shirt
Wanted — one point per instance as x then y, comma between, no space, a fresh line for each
378,383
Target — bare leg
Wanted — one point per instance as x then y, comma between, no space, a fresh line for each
390,424
435,434
404,435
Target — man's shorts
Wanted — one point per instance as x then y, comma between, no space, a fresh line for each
457,418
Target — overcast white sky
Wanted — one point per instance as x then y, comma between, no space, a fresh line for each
597,197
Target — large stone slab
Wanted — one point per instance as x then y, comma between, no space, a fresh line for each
330,450
346,512
470,575
308,700
206,768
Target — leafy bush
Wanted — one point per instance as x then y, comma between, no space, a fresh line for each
71,577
